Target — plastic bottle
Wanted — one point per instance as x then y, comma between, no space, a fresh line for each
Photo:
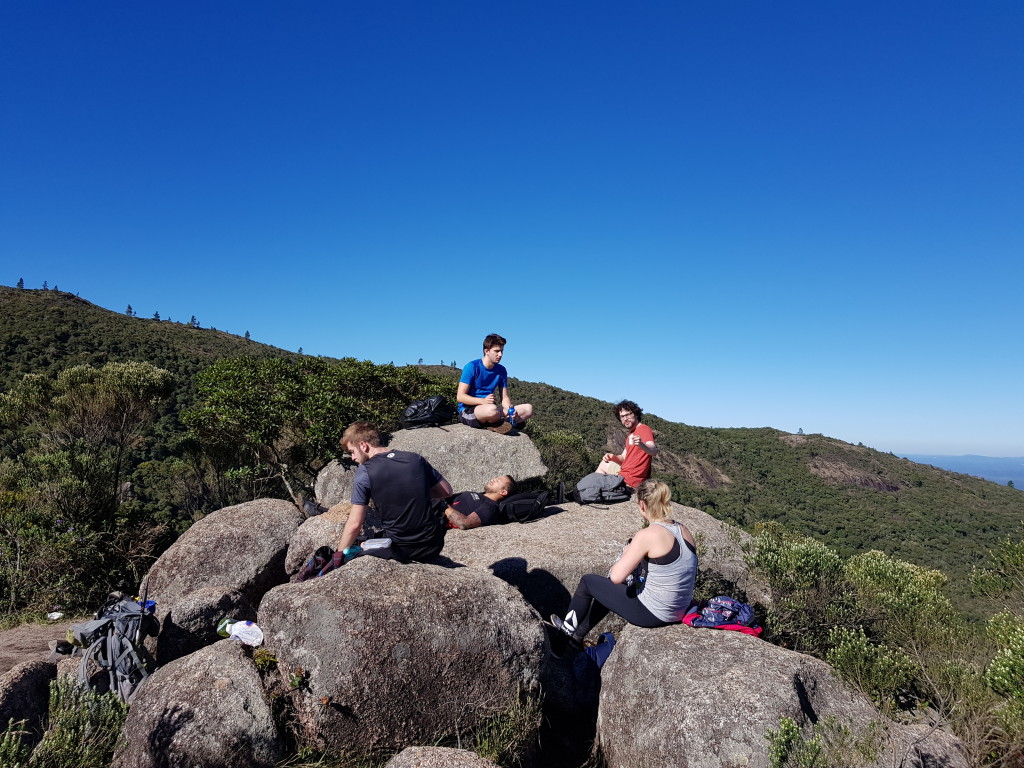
224,626
511,414
246,632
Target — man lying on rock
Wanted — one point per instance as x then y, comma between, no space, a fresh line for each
471,510
401,485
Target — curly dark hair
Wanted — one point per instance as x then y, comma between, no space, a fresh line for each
628,405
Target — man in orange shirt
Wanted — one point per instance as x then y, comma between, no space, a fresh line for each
634,463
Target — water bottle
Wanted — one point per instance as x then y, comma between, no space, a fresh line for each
247,632
224,626
511,414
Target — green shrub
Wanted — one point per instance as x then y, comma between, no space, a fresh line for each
14,751
828,744
82,731
1002,576
566,457
1005,674
286,416
881,672
805,580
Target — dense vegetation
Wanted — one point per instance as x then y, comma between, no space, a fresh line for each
887,627
287,409
118,432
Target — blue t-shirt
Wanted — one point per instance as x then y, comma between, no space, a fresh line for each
481,381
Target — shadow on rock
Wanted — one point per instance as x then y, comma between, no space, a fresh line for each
541,588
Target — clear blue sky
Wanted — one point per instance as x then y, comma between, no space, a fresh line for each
796,215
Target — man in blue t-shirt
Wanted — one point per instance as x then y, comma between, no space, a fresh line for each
401,485
478,404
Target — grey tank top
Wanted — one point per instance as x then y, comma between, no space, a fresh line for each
668,589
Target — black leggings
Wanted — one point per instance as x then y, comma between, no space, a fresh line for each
596,595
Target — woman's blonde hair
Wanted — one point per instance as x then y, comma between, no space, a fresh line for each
657,500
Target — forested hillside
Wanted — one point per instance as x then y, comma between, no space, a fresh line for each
849,496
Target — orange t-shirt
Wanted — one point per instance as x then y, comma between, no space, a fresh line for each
637,465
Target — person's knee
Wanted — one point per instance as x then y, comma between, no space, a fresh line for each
524,411
487,413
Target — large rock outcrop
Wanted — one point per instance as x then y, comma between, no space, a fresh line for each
334,483
467,458
239,548
25,695
546,558
318,531
697,698
207,710
392,655
191,623
222,565
438,757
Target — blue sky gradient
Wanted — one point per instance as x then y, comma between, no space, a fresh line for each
796,215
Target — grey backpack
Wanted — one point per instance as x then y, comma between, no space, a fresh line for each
112,646
597,488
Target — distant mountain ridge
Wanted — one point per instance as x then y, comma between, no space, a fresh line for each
851,497
998,469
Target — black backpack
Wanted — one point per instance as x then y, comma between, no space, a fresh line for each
523,507
432,412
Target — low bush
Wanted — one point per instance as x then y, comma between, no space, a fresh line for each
82,730
826,744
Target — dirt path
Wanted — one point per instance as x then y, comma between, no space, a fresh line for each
30,641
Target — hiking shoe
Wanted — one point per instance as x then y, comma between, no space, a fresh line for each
502,429
557,623
562,643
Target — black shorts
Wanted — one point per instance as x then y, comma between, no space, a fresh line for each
467,417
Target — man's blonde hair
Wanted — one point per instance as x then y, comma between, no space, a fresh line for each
361,432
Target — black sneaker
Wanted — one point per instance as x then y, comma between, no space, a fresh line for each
562,643
557,623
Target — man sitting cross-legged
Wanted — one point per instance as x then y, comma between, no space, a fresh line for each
634,463
472,510
478,406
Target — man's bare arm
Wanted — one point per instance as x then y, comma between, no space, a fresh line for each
461,521
463,396
353,526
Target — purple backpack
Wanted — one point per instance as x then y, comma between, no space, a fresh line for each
724,610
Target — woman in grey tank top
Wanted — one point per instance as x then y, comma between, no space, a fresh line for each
671,556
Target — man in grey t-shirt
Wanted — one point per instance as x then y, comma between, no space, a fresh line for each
401,485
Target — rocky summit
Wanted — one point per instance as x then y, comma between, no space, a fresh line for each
382,661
